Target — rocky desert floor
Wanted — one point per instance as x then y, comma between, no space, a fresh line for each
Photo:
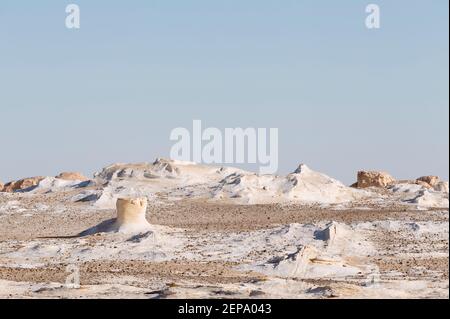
209,250
218,232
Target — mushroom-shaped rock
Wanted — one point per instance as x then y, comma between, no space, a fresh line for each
130,218
131,215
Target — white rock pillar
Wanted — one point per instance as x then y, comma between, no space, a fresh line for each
131,215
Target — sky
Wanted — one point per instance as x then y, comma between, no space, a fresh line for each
343,97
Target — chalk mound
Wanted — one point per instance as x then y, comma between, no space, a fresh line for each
430,199
332,253
178,173
309,186
249,188
49,184
168,178
161,168
52,184
295,265
421,196
130,218
302,186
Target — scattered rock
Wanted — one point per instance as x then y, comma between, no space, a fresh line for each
166,165
256,293
413,182
326,291
374,179
72,176
423,184
429,199
22,184
441,187
436,185
430,180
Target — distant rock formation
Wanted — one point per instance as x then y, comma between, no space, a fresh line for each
374,179
384,180
427,182
441,187
1,186
72,176
303,186
161,168
430,180
419,182
22,184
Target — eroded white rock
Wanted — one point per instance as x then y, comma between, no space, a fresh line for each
131,215
130,218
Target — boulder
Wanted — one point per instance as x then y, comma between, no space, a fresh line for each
22,184
422,183
430,180
441,187
72,176
1,186
374,179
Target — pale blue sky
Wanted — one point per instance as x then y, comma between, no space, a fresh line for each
343,97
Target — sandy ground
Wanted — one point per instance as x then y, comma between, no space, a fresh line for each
211,250
72,218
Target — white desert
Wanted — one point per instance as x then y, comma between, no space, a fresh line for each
172,229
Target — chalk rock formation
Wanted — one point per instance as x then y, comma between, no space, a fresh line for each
430,180
330,232
422,183
161,168
131,215
304,186
72,176
22,184
374,179
433,182
441,187
130,218
1,186
430,199
307,185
